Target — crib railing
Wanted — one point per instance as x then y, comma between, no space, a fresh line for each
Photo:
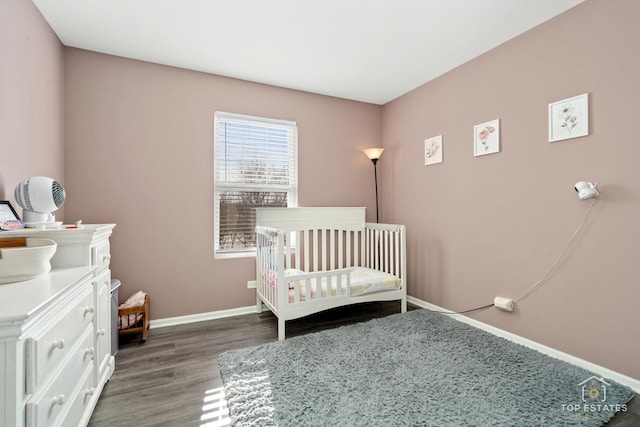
269,249
385,246
377,246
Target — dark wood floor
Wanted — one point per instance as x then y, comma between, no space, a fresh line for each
173,378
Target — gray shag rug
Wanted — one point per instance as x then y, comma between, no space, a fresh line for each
415,369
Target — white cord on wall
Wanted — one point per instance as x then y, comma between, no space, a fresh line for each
546,276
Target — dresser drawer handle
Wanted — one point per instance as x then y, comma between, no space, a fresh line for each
57,344
88,352
88,310
100,332
57,400
106,257
90,391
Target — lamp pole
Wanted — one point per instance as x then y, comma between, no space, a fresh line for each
375,178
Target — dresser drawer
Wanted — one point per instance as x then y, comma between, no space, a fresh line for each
101,254
56,397
44,350
81,401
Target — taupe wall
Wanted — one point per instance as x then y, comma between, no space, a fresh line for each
31,98
480,227
139,152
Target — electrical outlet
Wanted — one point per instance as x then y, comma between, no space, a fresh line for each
505,304
251,284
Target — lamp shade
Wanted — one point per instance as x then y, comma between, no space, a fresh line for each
373,153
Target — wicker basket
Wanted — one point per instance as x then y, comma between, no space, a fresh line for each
24,259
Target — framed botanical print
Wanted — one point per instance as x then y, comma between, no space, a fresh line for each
433,150
569,118
486,138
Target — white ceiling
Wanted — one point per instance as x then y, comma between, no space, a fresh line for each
366,50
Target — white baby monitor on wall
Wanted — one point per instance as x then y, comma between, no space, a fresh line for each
586,190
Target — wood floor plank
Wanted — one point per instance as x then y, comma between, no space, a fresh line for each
173,378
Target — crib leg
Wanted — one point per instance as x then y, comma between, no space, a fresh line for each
403,305
281,333
259,304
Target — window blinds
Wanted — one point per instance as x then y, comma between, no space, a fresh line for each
255,166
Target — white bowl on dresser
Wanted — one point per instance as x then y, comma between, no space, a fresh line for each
26,262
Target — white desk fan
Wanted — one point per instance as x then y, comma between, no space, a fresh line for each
39,196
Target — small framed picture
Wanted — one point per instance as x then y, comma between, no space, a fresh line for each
486,138
433,150
569,118
7,213
9,219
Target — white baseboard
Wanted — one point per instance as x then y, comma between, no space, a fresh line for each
632,383
192,318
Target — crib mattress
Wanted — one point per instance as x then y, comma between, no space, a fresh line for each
363,281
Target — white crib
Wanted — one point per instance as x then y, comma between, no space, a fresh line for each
313,259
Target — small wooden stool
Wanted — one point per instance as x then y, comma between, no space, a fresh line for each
133,315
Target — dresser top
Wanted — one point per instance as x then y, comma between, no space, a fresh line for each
86,232
20,300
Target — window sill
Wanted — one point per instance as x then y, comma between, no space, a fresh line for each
238,254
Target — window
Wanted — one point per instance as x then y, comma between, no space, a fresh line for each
255,165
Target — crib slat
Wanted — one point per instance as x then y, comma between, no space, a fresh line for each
299,247
307,262
380,248
340,250
376,249
296,291
385,251
280,297
361,248
384,259
368,250
314,249
287,251
391,253
396,257
349,236
332,245
351,247
324,250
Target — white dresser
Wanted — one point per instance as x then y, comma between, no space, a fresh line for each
55,349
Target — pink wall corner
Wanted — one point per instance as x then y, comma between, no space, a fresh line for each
139,152
31,100
480,227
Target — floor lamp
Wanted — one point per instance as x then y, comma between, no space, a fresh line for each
374,154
